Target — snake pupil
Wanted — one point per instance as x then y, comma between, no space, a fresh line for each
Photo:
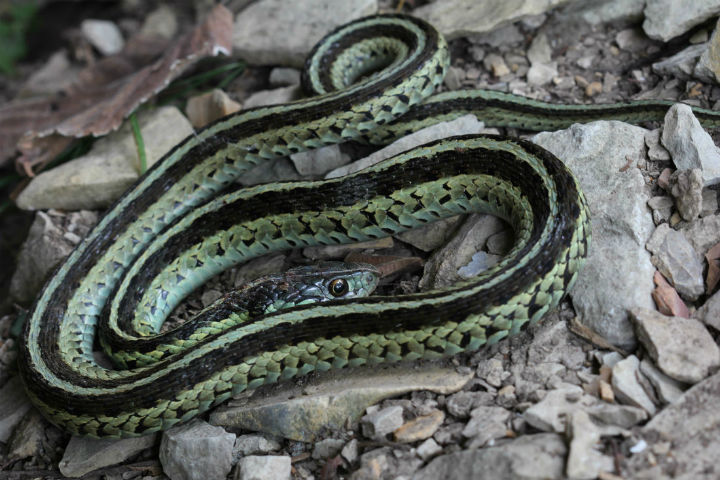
338,287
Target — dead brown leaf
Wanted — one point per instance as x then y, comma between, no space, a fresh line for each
667,299
713,275
106,92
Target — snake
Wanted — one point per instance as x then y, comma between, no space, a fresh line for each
186,220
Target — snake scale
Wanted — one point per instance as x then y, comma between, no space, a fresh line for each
184,221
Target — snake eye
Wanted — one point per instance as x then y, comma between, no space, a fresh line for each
339,287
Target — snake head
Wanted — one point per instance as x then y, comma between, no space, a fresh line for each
330,281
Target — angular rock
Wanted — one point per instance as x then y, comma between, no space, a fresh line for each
302,25
320,161
686,187
707,68
378,424
675,258
85,454
682,64
282,77
459,18
681,347
703,233
709,313
460,404
552,412
584,461
272,97
486,424
690,425
624,416
443,267
525,458
656,151
428,449
689,144
197,451
47,244
13,406
460,126
350,451
204,109
252,444
667,389
96,179
628,388
328,447
420,427
667,19
596,153
300,413
264,467
431,236
28,439
662,208
610,11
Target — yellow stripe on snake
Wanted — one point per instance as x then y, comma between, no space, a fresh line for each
184,222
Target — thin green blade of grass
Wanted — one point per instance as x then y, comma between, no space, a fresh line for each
139,143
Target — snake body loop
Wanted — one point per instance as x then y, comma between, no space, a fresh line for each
183,222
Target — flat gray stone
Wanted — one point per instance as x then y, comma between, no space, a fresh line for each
264,467
252,444
687,188
627,388
681,347
584,461
689,144
529,457
378,424
197,451
677,260
623,416
326,448
273,97
98,178
691,426
667,19
327,401
444,266
433,235
667,389
552,413
283,77
486,424
707,68
14,403
709,313
682,64
459,18
319,161
46,245
84,454
621,224
302,24
610,11
466,124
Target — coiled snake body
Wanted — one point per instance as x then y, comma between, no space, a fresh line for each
183,222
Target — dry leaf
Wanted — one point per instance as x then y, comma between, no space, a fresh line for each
106,92
667,299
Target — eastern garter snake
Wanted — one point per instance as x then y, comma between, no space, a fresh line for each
182,223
